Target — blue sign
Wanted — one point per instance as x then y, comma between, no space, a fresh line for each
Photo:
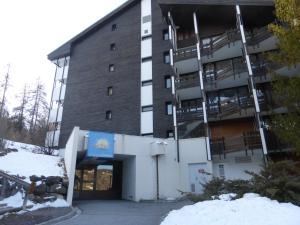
101,145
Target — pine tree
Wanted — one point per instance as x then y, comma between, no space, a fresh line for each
287,31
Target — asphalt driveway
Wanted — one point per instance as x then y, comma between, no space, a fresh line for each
122,212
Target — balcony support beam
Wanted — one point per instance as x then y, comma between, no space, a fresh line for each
172,31
251,81
200,71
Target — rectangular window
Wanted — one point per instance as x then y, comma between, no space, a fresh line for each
146,59
167,57
166,35
109,91
169,108
108,115
170,134
113,47
146,19
149,134
147,108
221,171
113,27
168,82
146,83
111,67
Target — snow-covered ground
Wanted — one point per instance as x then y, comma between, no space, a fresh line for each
249,210
17,201
26,162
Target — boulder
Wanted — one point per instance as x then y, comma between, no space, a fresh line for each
40,189
53,180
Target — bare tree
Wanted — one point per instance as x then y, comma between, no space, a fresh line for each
19,117
38,110
4,85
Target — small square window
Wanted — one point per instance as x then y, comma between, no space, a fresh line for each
109,91
168,82
166,35
169,108
147,108
147,83
170,133
113,27
167,58
108,115
111,68
113,47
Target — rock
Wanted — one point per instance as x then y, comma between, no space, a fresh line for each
65,182
57,188
12,150
53,180
40,189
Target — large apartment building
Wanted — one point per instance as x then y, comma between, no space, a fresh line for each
174,69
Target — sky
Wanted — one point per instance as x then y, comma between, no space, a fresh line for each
31,29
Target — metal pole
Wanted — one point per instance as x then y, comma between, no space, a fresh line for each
200,71
252,83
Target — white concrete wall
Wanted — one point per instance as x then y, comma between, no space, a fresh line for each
146,95
146,122
128,179
192,151
236,170
146,70
70,161
146,48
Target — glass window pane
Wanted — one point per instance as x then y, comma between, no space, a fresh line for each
88,180
104,177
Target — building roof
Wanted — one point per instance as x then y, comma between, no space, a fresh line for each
65,49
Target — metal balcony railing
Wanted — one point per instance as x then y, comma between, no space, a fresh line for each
188,81
186,52
189,114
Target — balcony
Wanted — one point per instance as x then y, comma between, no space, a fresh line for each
189,114
248,141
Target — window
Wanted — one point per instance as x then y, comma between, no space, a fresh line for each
170,133
147,108
146,19
166,35
109,91
108,115
168,82
148,134
221,171
169,108
147,83
146,59
113,47
111,68
113,27
166,57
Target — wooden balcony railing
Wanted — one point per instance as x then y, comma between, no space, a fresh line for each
246,141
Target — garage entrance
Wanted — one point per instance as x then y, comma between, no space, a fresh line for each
98,181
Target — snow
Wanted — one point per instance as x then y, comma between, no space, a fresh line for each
17,201
26,163
249,210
